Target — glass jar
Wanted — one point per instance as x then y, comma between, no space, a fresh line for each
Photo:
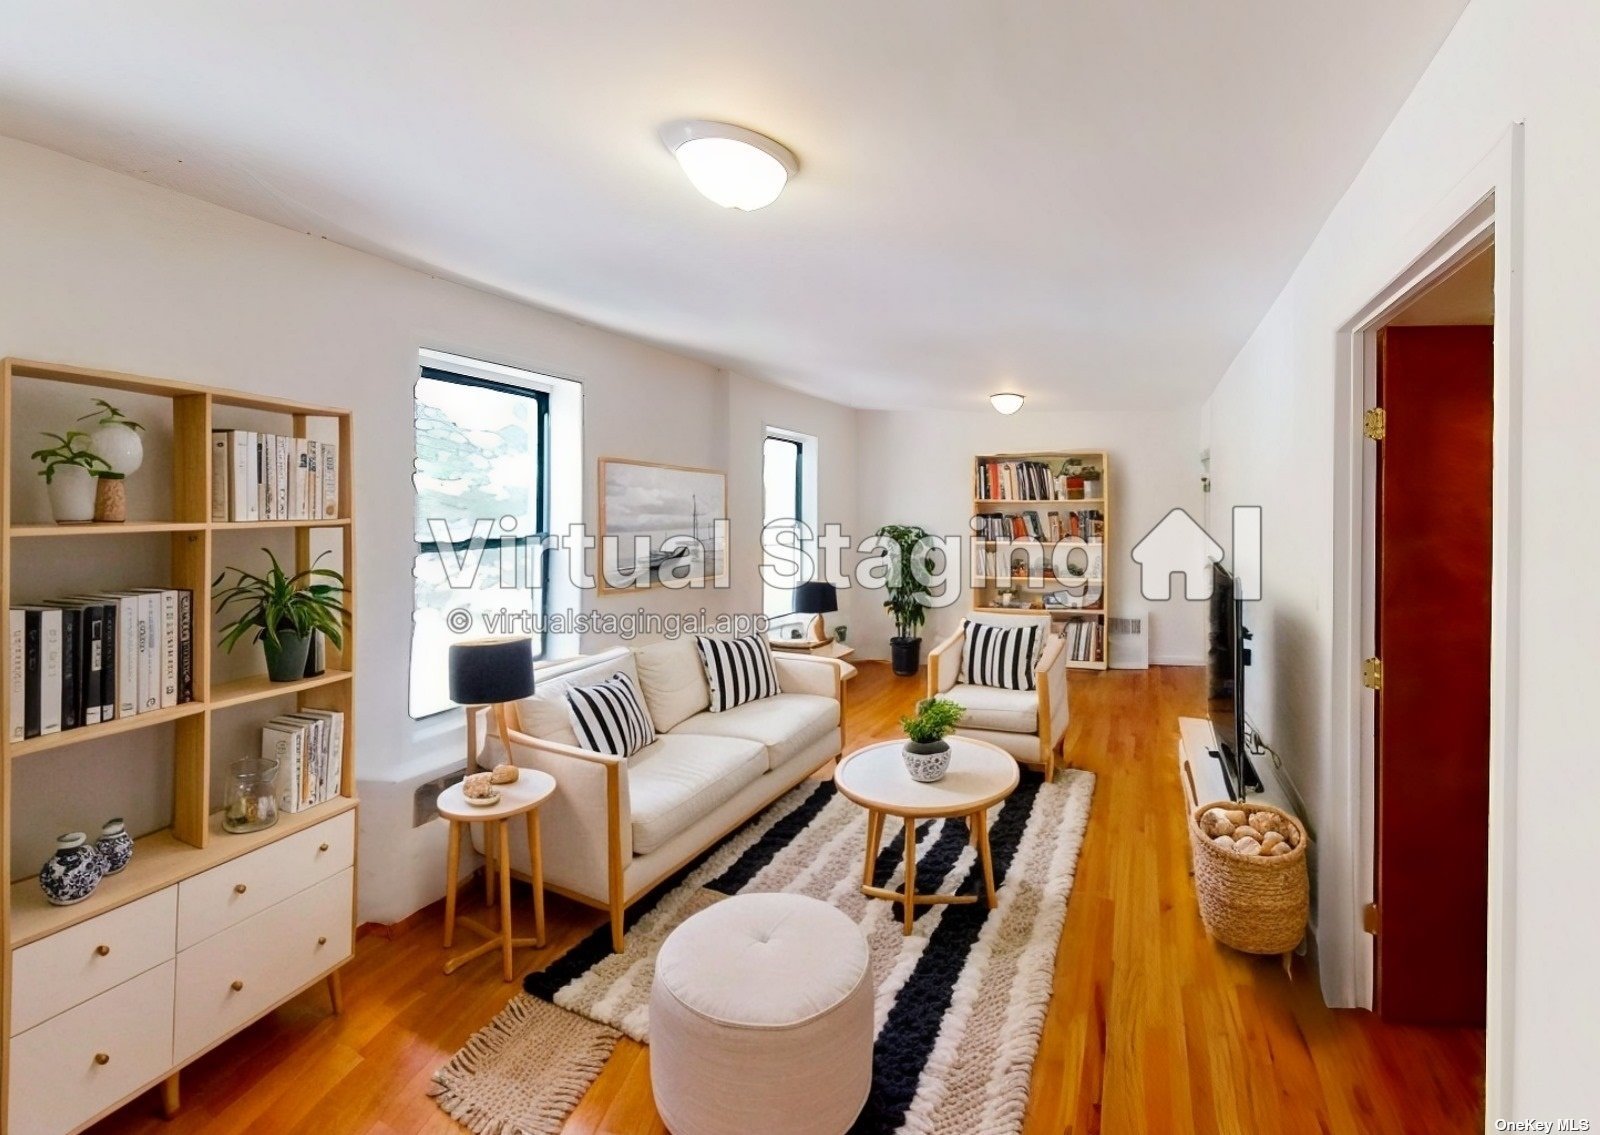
252,798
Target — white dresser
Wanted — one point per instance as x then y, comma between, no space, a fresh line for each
110,1006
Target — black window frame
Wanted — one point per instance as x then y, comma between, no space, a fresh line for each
541,498
796,516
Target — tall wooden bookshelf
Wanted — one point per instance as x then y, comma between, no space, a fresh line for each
194,840
1039,503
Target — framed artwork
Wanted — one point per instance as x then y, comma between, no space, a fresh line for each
660,524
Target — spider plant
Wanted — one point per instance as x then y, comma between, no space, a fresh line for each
285,611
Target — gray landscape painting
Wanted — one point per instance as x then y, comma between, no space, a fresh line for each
666,515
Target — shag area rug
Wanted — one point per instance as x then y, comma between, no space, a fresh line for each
960,1003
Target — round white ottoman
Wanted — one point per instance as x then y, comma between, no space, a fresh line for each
761,1020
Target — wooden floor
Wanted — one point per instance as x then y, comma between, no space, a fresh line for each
1152,1026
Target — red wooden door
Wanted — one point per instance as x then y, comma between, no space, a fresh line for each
1434,532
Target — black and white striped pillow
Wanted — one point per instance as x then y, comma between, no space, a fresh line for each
1001,657
609,717
737,669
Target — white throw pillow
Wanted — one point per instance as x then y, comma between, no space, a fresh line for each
672,680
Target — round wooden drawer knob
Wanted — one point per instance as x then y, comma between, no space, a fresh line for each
323,941
237,986
240,888
324,847
102,951
102,1058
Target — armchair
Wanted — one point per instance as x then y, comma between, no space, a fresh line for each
1028,724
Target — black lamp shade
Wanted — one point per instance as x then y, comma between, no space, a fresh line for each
491,670
815,599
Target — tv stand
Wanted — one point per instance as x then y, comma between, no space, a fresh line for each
1202,776
1252,779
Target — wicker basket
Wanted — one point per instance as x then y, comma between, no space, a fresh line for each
1255,903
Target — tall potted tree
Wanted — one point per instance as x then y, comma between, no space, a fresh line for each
907,592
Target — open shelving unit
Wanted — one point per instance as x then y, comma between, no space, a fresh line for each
194,841
1029,590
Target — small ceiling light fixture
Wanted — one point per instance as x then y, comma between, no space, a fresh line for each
735,167
1007,404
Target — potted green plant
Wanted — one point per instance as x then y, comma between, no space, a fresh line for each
908,549
285,611
1092,481
117,440
926,752
68,469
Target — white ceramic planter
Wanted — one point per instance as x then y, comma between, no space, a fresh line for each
120,446
71,491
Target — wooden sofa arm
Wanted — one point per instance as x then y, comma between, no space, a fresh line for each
943,671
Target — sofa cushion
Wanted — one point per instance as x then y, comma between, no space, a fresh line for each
786,724
673,680
544,715
1009,711
682,778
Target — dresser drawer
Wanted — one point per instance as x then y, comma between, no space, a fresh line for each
53,974
227,895
235,976
68,1070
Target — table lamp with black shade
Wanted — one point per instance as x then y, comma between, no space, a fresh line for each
492,672
816,599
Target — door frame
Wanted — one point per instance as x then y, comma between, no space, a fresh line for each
1483,208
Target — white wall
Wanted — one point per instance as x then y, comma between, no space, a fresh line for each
915,467
1271,439
101,270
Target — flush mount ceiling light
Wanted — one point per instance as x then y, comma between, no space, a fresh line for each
735,167
1007,404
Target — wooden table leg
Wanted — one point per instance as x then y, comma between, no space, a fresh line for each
988,862
874,839
169,1097
504,836
910,902
536,865
488,864
451,879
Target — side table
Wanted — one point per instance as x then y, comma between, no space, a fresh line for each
522,798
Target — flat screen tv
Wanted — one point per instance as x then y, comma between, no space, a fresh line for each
1226,657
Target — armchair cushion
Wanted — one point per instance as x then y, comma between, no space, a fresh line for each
673,681
785,725
682,778
988,707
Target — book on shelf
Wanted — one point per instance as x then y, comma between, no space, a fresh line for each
1085,639
309,748
89,659
1015,480
262,476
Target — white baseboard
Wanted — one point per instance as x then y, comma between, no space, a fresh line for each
1177,660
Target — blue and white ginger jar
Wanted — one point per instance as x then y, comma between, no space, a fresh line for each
72,873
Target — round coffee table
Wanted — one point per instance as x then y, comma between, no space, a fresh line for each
981,775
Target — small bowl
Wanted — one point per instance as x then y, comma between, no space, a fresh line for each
488,801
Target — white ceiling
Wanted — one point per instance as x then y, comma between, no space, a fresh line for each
1091,202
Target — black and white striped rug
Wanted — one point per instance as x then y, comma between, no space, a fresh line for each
960,1003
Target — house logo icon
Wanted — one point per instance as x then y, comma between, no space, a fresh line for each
1180,545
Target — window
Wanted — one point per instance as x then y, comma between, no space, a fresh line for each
782,513
481,507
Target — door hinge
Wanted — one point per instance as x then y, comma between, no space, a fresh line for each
1369,918
1372,674
1376,423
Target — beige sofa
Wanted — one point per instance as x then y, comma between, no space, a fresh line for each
616,827
1029,724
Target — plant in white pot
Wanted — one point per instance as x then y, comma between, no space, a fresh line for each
117,440
926,752
285,612
68,469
